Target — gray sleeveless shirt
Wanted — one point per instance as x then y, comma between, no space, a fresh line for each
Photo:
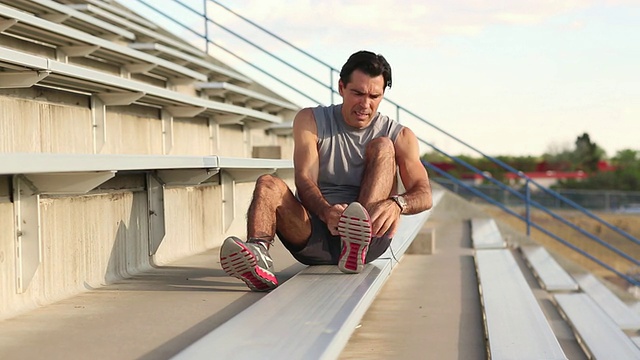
341,150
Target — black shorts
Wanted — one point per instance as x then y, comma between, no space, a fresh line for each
324,249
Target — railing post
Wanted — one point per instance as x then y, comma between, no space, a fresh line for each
206,26
527,205
331,84
398,113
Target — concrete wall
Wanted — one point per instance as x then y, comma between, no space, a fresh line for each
92,240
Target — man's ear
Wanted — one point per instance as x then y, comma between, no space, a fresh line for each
341,87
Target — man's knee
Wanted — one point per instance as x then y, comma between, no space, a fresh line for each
271,184
380,146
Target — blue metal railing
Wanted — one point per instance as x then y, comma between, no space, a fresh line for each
206,35
526,219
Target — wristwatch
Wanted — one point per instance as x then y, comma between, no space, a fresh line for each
402,203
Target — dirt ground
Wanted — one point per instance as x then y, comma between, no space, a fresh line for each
629,223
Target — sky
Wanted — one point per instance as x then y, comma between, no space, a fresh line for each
506,77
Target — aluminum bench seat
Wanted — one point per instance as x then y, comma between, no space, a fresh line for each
600,335
319,308
485,234
618,311
120,12
120,91
201,65
59,13
246,96
143,33
550,274
515,325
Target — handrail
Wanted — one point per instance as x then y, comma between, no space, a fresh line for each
530,202
399,109
480,194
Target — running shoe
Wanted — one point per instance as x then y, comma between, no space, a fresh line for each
354,228
249,262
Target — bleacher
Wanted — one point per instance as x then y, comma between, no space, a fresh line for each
127,155
87,116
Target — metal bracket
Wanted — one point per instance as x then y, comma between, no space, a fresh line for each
26,203
21,79
230,119
167,131
247,175
139,68
155,198
185,111
79,51
177,81
228,199
55,18
186,177
214,136
124,98
68,183
5,24
99,123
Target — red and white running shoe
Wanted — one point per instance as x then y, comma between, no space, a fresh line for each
249,262
355,234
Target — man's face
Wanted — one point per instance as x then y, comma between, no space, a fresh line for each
361,98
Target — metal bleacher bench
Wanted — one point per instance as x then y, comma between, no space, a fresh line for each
142,32
550,274
485,234
312,315
616,309
201,65
516,327
251,98
59,13
600,335
78,43
121,91
34,174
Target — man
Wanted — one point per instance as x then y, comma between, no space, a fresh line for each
346,210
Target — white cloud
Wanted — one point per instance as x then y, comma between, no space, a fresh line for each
410,22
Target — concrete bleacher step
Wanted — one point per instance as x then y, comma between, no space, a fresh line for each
550,274
616,309
600,335
515,324
485,234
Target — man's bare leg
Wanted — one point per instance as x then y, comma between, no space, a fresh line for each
355,223
379,173
273,207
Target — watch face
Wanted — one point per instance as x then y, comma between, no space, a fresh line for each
402,202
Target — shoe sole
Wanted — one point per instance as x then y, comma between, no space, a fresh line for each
238,261
354,228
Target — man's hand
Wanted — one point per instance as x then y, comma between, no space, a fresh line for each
331,217
384,215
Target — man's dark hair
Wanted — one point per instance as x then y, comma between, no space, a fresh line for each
370,64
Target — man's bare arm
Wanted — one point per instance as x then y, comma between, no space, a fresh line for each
413,173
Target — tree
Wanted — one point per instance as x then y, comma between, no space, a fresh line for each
625,177
587,154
